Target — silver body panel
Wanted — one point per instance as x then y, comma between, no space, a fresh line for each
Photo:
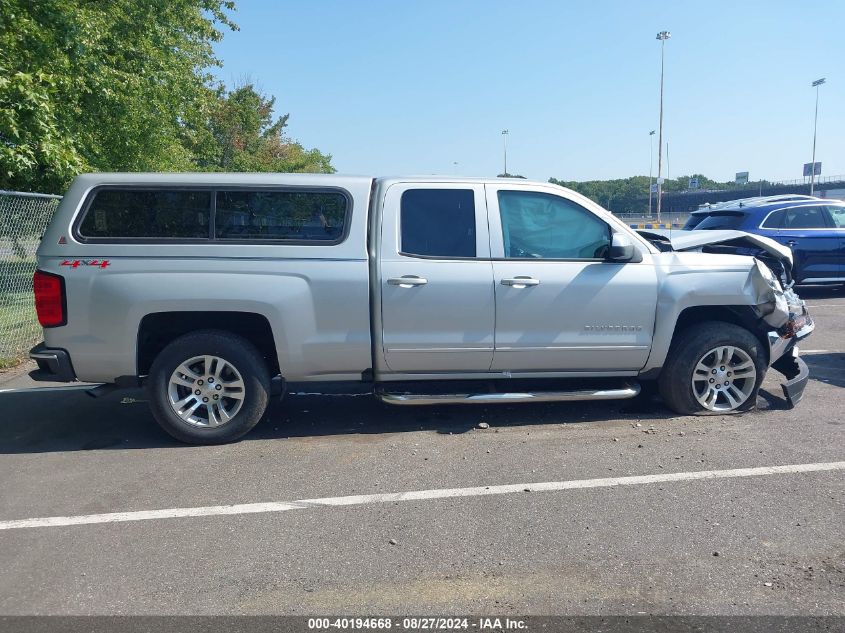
337,311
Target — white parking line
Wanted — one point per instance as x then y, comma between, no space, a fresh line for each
414,495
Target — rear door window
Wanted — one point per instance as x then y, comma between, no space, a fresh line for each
147,214
438,223
837,214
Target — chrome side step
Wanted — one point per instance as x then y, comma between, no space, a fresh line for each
628,390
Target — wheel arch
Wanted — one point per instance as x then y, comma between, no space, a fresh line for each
744,316
159,329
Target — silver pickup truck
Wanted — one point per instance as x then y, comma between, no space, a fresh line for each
217,290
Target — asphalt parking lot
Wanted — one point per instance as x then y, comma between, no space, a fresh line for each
591,541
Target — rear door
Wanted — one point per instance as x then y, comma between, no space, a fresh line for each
837,214
560,305
436,279
815,244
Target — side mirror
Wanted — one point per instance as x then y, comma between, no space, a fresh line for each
622,249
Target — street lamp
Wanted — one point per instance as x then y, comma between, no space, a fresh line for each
505,147
662,36
816,84
650,167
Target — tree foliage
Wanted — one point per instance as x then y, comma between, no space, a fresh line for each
124,85
630,195
241,135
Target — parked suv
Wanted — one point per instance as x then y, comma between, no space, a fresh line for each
216,290
814,228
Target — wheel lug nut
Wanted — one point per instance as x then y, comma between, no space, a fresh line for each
197,392
218,387
727,382
199,382
205,399
215,396
711,380
729,373
210,380
714,371
722,368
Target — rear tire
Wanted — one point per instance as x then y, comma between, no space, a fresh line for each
209,387
713,368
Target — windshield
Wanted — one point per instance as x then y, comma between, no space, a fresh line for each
721,221
693,221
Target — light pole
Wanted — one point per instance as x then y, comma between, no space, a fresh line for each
662,36
816,84
505,147
650,167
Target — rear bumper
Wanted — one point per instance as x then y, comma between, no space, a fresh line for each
53,364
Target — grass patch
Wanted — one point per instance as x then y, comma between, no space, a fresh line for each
7,363
19,328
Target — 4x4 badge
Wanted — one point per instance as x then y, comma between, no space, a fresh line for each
76,263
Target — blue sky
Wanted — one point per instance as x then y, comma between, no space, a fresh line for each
413,87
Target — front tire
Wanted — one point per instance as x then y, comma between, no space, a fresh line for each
713,368
209,387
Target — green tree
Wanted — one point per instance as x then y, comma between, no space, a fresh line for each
623,195
630,195
115,85
240,134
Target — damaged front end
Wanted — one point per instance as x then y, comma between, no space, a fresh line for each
786,314
782,315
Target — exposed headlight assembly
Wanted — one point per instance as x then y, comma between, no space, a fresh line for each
767,274
771,300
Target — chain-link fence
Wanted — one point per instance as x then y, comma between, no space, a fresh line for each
23,218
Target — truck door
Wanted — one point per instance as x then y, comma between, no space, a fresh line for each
436,279
560,306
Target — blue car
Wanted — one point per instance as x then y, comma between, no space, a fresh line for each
814,228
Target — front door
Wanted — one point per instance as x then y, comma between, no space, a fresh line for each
560,305
815,243
436,279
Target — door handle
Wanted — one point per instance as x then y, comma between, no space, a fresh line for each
408,281
520,282
791,243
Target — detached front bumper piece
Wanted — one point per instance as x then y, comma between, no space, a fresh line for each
53,364
797,374
784,353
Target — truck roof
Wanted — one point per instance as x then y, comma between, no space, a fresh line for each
217,178
271,178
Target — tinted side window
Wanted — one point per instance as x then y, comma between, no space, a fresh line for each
438,222
541,225
280,215
774,220
722,221
126,213
805,218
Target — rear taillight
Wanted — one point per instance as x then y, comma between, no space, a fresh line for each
49,299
